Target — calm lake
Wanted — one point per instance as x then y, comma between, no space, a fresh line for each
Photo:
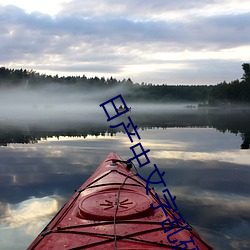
205,154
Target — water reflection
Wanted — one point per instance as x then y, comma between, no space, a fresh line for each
234,121
20,221
204,166
29,210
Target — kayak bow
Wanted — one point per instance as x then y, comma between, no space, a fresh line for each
112,211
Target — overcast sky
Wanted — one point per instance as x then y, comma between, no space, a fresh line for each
157,41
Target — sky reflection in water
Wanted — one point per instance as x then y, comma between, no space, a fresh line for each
204,169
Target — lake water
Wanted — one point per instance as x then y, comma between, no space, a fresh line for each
205,154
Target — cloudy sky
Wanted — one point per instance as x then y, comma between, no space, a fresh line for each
157,41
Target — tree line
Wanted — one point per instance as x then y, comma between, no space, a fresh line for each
236,91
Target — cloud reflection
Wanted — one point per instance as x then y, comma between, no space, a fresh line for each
228,203
234,156
29,212
22,222
226,216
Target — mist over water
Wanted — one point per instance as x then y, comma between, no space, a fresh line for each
61,102
55,102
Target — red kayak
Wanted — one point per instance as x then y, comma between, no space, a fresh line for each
111,210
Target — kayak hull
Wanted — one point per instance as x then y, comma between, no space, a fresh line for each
111,210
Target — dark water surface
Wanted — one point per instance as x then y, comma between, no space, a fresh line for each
43,161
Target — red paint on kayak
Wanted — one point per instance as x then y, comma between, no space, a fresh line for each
87,220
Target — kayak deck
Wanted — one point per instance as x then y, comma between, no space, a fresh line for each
111,210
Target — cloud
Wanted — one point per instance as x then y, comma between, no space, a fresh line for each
114,38
115,30
143,10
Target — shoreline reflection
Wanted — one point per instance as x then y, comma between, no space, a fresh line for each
236,122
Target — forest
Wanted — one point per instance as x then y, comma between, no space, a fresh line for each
224,93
